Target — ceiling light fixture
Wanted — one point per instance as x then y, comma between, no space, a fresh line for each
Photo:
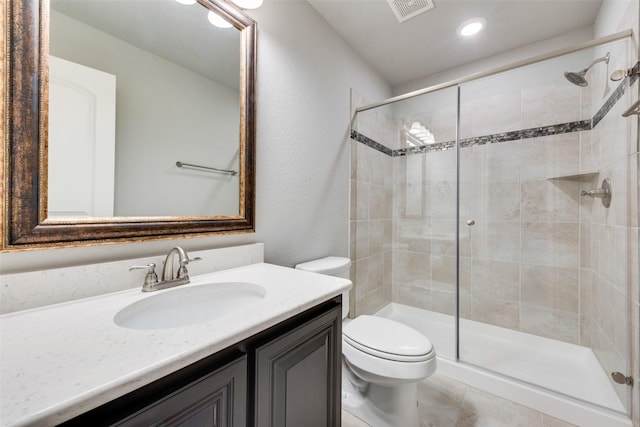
248,4
418,133
472,27
218,20
416,127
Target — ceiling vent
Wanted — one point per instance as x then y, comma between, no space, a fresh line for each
407,9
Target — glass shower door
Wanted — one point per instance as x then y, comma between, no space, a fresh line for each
543,284
424,208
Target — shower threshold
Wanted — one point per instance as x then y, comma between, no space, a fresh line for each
565,374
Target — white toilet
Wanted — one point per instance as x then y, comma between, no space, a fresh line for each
383,360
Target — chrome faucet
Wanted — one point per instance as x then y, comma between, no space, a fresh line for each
168,279
182,275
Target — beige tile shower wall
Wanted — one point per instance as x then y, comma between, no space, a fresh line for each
550,237
425,245
371,213
424,251
525,243
520,262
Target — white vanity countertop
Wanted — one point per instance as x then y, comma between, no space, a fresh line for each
60,361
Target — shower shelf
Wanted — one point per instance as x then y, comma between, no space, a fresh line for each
582,176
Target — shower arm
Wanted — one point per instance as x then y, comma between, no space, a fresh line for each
595,61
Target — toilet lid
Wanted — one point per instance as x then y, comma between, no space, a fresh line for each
329,265
386,336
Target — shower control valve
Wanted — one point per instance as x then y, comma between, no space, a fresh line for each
603,193
621,378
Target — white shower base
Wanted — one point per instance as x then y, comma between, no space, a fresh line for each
551,365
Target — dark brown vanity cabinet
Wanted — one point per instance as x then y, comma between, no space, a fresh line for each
286,376
298,375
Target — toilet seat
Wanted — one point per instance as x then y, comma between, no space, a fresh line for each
387,339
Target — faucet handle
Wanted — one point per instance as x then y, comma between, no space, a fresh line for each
151,279
151,268
183,273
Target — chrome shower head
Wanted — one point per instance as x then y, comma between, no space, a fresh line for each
577,77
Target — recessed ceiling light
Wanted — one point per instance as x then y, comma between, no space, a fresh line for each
472,26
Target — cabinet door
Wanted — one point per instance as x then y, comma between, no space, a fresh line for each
216,400
298,375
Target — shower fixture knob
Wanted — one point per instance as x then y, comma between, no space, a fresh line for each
621,378
620,74
603,193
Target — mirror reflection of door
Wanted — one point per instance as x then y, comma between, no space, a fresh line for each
82,120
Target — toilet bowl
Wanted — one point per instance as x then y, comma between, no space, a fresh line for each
383,361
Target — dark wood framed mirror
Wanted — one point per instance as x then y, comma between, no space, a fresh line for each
27,223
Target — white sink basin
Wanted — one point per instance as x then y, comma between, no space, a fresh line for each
189,305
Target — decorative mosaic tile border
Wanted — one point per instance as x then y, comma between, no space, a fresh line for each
608,105
371,143
616,95
635,74
499,137
577,126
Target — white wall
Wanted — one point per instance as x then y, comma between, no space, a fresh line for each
305,71
611,17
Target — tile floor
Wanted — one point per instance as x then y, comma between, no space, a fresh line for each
448,403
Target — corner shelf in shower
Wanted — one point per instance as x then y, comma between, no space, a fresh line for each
581,176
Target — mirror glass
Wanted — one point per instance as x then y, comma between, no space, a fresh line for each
138,88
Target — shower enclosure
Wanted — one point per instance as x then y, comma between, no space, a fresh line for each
478,219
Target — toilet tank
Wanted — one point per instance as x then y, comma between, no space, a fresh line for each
331,266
